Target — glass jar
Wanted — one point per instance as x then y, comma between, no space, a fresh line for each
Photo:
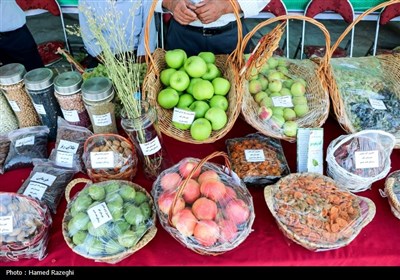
67,89
8,120
39,85
98,95
12,82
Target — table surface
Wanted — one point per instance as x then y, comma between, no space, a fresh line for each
378,244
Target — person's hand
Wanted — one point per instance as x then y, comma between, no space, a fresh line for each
180,10
210,10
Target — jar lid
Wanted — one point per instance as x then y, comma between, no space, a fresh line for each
68,83
38,79
97,89
12,73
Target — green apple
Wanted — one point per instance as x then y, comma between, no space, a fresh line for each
274,75
203,90
168,98
264,81
221,86
200,108
200,129
298,89
179,80
175,58
185,100
255,86
208,57
275,85
217,117
289,114
181,126
290,128
301,110
253,74
277,121
219,101
266,101
285,92
277,111
260,96
165,75
299,100
264,113
195,66
212,72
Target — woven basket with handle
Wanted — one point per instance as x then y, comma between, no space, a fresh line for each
312,71
152,86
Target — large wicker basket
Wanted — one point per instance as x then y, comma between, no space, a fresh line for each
312,71
152,86
380,73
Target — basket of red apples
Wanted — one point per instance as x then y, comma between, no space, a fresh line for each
204,205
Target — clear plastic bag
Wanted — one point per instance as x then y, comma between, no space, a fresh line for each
4,148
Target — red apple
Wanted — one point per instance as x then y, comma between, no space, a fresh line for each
237,211
206,232
228,231
213,189
165,201
184,221
229,195
204,209
191,191
187,166
208,174
170,181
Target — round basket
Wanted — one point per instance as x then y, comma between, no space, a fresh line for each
176,207
392,190
312,71
28,233
383,77
124,154
145,236
152,86
311,210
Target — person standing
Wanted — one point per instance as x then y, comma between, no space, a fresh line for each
17,44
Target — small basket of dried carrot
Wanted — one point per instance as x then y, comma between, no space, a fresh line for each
314,212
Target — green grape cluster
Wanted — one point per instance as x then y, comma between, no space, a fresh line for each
98,71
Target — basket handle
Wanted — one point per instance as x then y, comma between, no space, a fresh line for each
72,184
358,19
194,170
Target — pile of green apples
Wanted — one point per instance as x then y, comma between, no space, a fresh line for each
281,99
195,84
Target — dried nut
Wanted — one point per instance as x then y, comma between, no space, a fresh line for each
116,143
125,144
96,149
105,149
115,148
109,143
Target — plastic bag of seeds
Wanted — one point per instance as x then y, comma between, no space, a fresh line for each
4,147
26,144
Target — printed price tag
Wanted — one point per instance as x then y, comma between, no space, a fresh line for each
367,159
39,109
68,146
377,104
30,140
6,224
102,159
35,190
151,147
102,120
254,155
99,214
64,159
14,106
71,115
315,147
183,116
282,101
44,178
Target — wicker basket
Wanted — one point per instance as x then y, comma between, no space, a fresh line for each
384,73
152,86
312,71
392,191
317,222
147,236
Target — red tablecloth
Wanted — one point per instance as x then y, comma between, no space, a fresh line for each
378,244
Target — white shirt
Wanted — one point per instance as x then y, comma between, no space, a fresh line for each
12,16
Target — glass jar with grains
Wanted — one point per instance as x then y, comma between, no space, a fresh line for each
12,82
98,95
67,89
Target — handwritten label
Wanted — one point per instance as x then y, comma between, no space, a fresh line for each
254,155
14,106
39,109
377,104
35,190
68,146
30,140
102,120
6,224
183,116
99,214
102,159
71,115
151,147
282,101
44,178
310,150
367,159
64,159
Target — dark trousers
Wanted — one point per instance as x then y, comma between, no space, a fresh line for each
193,41
19,46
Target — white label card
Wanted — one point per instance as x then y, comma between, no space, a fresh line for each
102,159
102,120
44,178
39,109
99,214
14,106
367,159
377,104
71,115
183,116
151,147
282,101
30,140
64,159
315,151
68,146
254,155
35,190
6,224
